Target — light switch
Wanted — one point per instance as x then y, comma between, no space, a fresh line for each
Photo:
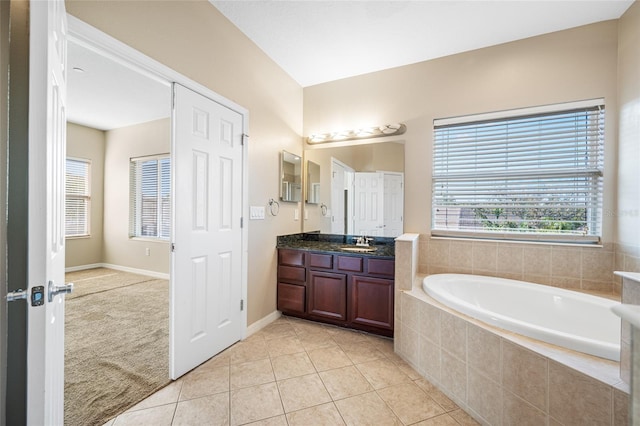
296,214
256,213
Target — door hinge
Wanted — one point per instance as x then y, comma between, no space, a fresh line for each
241,304
242,222
245,138
173,247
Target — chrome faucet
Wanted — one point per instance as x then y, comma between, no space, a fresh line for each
363,241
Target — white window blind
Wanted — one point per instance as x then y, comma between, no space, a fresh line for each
525,176
77,197
150,197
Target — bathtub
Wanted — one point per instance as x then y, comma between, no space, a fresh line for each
573,320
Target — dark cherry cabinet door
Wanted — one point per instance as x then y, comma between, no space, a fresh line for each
327,295
371,302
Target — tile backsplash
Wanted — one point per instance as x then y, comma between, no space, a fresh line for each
572,267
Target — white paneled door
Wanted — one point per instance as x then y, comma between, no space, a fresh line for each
369,203
47,136
393,203
206,277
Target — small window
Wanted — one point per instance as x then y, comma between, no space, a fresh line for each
77,197
150,197
526,174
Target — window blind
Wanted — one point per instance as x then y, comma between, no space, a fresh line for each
150,197
525,176
77,197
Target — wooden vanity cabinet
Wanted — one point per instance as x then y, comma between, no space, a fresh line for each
350,291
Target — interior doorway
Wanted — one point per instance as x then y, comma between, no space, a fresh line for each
118,222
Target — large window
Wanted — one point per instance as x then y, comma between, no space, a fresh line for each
77,197
150,197
527,174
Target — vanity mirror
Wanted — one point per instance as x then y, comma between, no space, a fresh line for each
290,177
313,183
360,189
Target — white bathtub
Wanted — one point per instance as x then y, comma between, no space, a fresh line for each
573,320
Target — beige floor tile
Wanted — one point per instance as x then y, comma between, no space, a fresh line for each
201,383
361,351
280,420
345,337
292,365
442,420
408,370
302,392
410,403
382,373
276,330
166,395
345,382
209,410
463,418
366,409
308,327
155,416
329,358
255,403
313,341
251,373
437,395
284,345
320,415
248,351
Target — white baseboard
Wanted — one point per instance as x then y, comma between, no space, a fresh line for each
262,323
83,267
154,274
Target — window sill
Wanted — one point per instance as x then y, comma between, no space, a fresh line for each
502,240
77,237
150,239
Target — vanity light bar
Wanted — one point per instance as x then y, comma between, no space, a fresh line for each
363,133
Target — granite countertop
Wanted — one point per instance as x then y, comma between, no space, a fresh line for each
334,243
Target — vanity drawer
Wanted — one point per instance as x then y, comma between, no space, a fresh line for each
292,273
317,260
291,297
348,263
381,267
291,257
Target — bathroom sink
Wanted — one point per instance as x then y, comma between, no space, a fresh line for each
358,249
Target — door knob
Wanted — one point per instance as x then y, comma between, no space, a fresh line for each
16,295
58,289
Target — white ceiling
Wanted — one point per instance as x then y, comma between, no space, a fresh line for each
320,41
108,95
316,41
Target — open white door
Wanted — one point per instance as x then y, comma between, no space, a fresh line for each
47,135
369,203
206,273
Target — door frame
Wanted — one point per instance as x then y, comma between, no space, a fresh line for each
94,39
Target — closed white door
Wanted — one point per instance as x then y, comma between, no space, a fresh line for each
206,273
46,241
393,204
369,203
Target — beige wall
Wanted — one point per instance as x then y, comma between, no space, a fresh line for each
122,144
628,207
193,38
571,65
87,143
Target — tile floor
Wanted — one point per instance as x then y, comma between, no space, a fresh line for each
296,372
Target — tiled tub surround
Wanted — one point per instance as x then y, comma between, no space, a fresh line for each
573,267
496,376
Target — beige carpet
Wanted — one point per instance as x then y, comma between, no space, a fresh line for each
116,343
